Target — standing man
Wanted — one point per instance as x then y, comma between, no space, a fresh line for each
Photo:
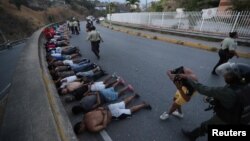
227,50
94,37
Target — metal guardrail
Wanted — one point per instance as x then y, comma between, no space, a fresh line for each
220,24
8,45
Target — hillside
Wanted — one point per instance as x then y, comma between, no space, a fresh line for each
16,24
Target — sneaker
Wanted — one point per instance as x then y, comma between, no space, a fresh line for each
114,75
147,106
164,116
121,81
177,114
137,95
98,68
130,87
214,73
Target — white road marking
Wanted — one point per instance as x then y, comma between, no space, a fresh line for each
6,88
105,136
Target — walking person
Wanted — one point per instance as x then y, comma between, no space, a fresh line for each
228,50
95,38
184,91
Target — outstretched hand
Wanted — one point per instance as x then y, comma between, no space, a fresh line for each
170,75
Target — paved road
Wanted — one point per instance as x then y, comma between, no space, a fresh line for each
143,63
8,62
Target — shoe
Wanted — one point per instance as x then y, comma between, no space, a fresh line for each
121,81
214,73
137,95
69,99
188,134
147,106
114,75
177,114
98,68
164,116
130,87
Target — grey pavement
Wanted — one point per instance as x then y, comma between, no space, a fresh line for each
8,62
186,38
143,63
28,116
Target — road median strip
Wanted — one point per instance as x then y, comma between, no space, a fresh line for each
174,41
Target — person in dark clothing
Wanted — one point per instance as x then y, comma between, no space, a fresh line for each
89,25
224,108
228,50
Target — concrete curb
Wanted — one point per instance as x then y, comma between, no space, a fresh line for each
63,123
174,41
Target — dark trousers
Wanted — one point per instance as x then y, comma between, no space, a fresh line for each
224,57
72,29
76,30
203,129
95,48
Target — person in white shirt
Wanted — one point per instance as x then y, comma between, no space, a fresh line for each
94,37
228,50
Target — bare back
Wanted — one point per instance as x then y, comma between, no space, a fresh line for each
95,120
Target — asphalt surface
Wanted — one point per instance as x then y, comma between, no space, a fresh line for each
8,62
143,63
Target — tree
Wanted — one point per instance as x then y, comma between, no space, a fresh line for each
241,5
194,5
156,7
133,4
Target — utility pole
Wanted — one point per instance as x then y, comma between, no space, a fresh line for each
109,14
146,5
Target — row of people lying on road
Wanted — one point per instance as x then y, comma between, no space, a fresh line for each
76,78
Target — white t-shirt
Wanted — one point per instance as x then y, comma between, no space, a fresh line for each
229,43
97,86
67,80
68,62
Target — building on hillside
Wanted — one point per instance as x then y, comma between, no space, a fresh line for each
224,5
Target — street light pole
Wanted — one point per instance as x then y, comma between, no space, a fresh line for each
109,14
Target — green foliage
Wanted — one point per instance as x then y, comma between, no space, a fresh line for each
156,7
132,1
241,5
89,5
197,5
191,5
